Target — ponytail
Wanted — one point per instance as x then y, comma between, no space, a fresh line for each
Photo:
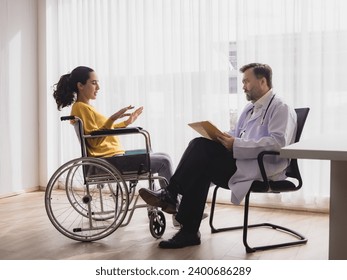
66,89
63,94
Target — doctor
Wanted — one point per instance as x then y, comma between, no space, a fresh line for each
266,123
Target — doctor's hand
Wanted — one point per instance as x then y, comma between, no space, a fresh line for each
226,140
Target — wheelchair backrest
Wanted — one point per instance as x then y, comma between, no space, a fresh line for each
138,161
78,126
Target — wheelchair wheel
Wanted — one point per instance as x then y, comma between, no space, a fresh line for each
157,224
86,199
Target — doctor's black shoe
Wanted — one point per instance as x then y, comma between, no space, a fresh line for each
159,198
181,239
177,224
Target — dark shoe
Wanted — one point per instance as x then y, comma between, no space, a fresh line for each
177,224
160,198
181,239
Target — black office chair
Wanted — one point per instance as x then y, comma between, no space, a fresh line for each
267,186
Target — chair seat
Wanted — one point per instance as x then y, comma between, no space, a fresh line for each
136,163
275,186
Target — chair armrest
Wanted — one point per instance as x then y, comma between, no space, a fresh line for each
78,125
261,164
67,118
106,132
122,131
116,131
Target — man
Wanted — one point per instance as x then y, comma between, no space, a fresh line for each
266,123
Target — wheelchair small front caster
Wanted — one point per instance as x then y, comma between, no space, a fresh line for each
157,224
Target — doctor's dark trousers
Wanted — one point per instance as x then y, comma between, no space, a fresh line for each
203,162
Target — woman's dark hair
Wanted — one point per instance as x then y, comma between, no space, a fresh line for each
66,89
260,71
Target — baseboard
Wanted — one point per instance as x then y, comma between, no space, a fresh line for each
26,190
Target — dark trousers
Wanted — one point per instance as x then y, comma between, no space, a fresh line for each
203,162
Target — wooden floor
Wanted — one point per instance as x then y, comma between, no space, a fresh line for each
26,233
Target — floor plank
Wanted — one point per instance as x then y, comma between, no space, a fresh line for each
27,234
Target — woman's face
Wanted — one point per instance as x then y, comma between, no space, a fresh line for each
90,89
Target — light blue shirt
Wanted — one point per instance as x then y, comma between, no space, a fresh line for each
269,126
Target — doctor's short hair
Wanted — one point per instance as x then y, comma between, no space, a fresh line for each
260,71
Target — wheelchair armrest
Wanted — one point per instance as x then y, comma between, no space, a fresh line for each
261,164
67,118
116,131
106,132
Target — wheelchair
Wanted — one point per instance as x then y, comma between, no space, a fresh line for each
88,198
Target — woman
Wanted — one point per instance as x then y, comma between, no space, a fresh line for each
77,89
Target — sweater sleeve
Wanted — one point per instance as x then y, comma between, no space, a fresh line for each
92,121
119,125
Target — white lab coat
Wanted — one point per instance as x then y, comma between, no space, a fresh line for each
261,132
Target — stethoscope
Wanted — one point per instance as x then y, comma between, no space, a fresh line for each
263,118
267,108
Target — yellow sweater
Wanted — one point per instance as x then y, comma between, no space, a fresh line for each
93,120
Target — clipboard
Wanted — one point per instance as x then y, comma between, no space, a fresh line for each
206,129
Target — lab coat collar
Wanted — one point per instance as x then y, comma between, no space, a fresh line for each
261,104
264,100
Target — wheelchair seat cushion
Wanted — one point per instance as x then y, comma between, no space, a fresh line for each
132,163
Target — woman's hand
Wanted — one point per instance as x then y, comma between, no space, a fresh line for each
226,140
121,113
133,116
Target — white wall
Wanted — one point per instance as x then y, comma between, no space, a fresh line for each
19,142
48,75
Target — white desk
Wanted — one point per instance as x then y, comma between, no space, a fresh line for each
333,148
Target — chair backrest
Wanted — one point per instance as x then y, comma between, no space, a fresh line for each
293,169
78,126
301,114
138,160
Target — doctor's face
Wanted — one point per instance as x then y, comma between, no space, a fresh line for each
252,85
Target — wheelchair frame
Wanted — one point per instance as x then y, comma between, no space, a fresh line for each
88,198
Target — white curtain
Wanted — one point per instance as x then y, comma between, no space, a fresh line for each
172,57
305,42
169,56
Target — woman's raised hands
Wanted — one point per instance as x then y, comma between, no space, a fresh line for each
132,116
